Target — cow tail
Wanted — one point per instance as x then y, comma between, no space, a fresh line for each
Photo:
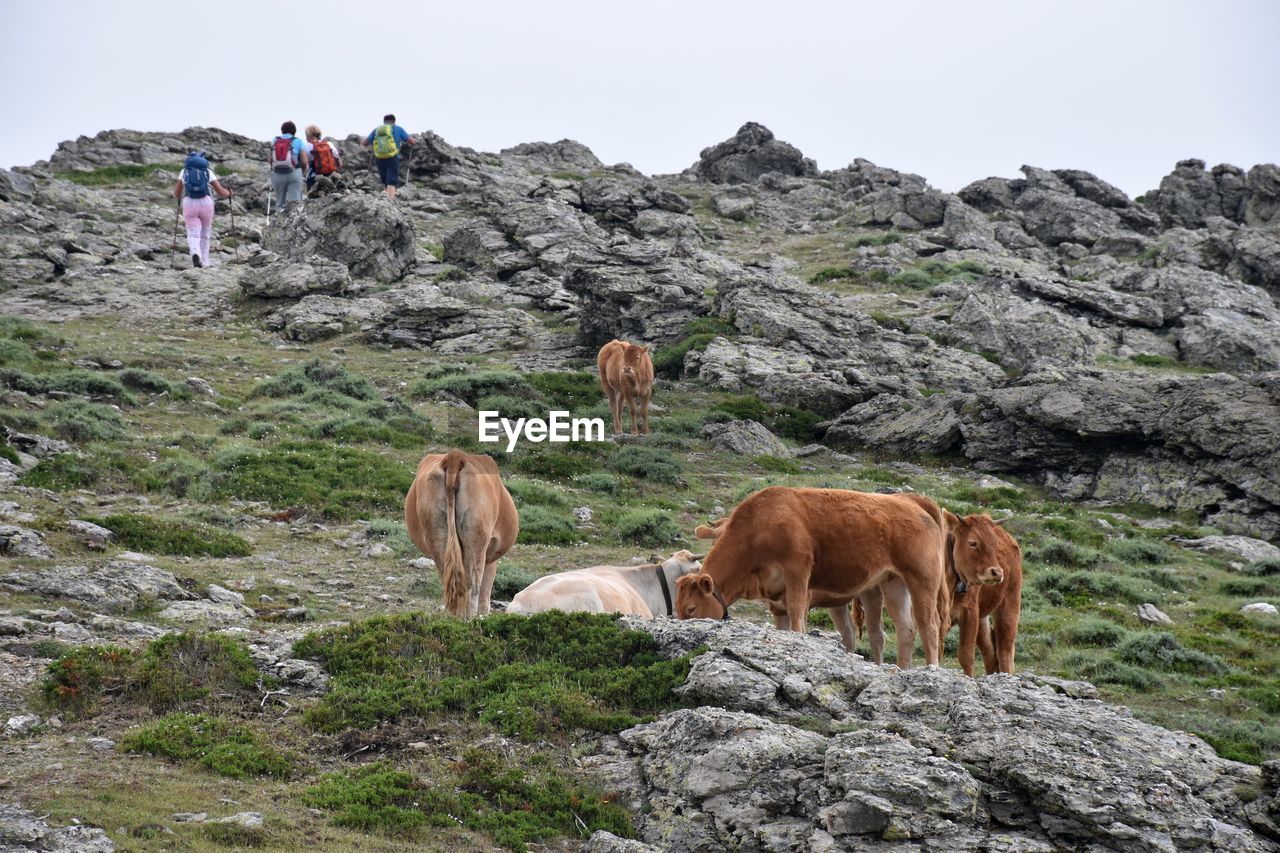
859,618
456,583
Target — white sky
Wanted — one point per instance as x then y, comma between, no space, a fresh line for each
954,91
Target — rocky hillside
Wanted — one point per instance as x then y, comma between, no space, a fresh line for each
215,632
1046,326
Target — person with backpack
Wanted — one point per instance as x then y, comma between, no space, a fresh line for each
387,139
288,165
192,189
325,159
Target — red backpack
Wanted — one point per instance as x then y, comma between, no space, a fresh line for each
322,159
282,159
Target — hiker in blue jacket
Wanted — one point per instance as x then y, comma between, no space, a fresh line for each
387,140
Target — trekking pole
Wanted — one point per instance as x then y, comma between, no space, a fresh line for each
174,246
231,203
270,193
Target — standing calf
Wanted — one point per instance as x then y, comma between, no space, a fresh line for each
626,377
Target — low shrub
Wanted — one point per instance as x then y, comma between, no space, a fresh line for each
788,421
178,670
509,580
329,480
471,386
1263,568
544,675
62,473
315,374
569,390
1162,651
1094,631
543,525
647,463
649,527
1060,552
1080,588
1139,551
151,383
1249,587
599,482
77,680
373,798
160,536
226,747
1105,670
556,464
527,492
669,360
80,422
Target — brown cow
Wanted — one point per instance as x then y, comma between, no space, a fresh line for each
893,591
984,574
626,377
459,514
792,545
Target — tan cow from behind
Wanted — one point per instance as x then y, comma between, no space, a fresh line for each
460,514
799,545
646,591
626,377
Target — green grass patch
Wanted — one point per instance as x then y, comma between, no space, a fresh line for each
788,421
80,422
226,747
1094,631
598,481
160,536
124,173
1139,551
1162,651
546,675
1080,589
570,390
471,386
668,361
62,473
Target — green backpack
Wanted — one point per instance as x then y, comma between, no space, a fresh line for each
384,143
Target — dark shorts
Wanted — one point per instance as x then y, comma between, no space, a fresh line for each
389,170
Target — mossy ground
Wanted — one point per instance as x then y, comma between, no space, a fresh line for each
353,438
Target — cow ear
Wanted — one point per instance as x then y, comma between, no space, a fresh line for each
953,520
644,348
950,553
705,584
1000,522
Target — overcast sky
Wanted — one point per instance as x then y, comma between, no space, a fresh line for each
954,91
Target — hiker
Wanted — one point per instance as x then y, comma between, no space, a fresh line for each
288,164
387,139
326,162
192,189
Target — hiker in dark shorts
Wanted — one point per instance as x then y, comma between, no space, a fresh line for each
387,139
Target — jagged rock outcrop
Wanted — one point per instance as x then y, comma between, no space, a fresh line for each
1210,444
117,586
270,277
748,154
799,746
366,233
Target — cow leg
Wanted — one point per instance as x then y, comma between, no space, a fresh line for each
631,410
615,407
873,609
898,601
844,624
644,412
797,602
968,619
486,587
986,646
922,584
779,615
1006,631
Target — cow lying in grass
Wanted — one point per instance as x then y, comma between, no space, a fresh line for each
638,590
892,592
460,514
795,546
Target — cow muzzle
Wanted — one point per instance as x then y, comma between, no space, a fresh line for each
991,576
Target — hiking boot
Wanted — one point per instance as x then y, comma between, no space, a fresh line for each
195,261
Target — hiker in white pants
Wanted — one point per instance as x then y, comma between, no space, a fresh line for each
197,205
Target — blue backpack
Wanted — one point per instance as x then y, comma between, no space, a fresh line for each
195,176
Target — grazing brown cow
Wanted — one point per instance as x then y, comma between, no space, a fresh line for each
626,377
795,545
459,514
849,629
984,574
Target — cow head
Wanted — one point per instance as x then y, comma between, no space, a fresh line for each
633,357
973,546
683,563
698,598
